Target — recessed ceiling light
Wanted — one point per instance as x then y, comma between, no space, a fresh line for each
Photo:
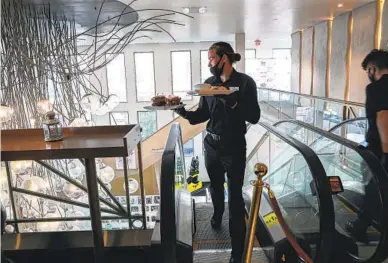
340,5
185,10
202,10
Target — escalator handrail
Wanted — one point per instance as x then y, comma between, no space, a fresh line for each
168,228
349,103
325,202
346,122
380,175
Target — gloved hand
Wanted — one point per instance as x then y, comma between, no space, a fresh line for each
229,100
384,161
181,112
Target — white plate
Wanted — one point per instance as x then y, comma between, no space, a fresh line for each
164,107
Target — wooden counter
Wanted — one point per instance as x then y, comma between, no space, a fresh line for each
85,143
79,142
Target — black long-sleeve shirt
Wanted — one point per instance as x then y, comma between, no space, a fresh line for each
224,120
376,100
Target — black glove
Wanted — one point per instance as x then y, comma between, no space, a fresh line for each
181,112
229,100
384,161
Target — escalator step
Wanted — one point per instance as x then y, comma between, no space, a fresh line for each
223,256
206,237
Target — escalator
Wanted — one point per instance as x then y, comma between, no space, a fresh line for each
296,200
308,215
360,172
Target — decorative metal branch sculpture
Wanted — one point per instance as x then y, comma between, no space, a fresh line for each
41,60
43,67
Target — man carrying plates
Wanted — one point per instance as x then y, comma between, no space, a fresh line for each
225,144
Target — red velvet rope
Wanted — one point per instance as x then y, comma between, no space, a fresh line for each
286,230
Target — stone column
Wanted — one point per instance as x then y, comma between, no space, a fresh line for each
240,48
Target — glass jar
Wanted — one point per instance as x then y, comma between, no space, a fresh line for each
52,128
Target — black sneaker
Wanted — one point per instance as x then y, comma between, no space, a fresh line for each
357,230
216,224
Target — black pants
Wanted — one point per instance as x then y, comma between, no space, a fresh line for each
371,207
228,156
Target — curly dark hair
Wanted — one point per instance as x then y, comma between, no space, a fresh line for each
377,58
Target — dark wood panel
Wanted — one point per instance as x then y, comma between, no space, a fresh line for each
71,240
78,142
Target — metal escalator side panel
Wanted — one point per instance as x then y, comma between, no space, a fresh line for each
266,210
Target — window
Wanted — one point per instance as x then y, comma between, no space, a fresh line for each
144,76
205,71
115,71
251,63
250,53
119,118
282,68
148,122
188,148
181,73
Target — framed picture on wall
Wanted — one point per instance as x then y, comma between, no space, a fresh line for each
131,162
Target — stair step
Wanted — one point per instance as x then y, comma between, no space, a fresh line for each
223,256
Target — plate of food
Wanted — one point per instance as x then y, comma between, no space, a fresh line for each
209,90
162,102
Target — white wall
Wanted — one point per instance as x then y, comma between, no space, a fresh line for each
267,45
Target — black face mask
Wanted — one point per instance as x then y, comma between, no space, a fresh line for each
371,75
216,71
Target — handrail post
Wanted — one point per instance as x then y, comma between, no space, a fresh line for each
260,171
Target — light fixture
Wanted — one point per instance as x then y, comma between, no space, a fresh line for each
5,113
194,10
44,106
21,167
106,174
202,10
340,5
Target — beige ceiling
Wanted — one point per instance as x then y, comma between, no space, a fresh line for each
264,19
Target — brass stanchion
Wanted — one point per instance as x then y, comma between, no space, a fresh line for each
260,171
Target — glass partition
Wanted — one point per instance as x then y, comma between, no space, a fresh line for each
354,130
361,192
320,112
